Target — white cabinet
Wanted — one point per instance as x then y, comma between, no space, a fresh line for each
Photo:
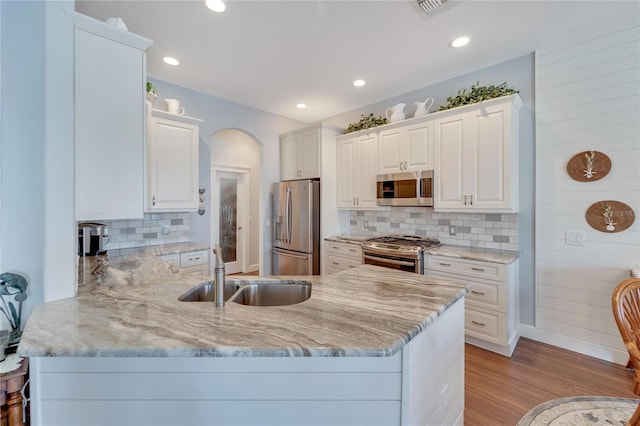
341,256
300,155
492,305
405,148
356,170
193,262
476,157
110,75
172,163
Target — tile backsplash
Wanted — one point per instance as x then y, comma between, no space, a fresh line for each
483,230
148,231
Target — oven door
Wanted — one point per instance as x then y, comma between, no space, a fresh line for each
408,265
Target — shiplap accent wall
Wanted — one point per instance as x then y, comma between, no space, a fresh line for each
587,98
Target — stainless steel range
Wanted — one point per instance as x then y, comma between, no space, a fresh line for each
403,252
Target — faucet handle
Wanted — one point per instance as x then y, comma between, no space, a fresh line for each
218,252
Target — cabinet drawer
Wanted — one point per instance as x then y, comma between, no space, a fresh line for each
482,293
344,249
340,262
193,258
473,268
488,326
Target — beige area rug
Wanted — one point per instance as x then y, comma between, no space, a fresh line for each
581,411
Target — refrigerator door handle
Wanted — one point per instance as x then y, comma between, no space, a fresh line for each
289,214
289,254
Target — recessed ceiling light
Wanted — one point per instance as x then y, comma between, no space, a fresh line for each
171,61
215,5
301,106
359,83
459,42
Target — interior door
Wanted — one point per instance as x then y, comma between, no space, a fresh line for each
231,219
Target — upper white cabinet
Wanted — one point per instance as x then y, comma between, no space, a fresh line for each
405,147
476,157
110,76
356,170
300,155
172,162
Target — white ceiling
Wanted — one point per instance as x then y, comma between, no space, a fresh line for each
272,55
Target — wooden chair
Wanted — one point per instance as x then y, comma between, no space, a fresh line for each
626,311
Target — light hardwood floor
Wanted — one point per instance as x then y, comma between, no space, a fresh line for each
500,390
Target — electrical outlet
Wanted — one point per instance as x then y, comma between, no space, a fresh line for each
165,230
452,230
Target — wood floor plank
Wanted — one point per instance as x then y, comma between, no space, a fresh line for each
500,390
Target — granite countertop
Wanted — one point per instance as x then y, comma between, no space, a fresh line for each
348,238
485,255
91,269
135,312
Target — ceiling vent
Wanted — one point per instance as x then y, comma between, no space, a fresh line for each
428,6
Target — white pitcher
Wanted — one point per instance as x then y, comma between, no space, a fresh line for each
422,108
396,111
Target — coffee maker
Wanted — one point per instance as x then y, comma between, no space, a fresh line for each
92,237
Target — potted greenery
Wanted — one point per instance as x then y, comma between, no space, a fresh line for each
152,91
366,122
477,94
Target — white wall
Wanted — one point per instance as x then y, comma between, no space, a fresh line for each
22,221
37,148
587,98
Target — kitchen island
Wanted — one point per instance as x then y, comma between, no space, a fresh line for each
370,346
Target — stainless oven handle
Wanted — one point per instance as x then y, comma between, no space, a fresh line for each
387,260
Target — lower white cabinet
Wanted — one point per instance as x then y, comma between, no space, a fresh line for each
172,163
492,306
193,262
341,256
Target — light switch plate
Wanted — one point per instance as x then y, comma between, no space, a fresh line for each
574,238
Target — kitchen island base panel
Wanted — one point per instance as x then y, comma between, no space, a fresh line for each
421,384
506,350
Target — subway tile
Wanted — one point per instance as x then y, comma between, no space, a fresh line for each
445,222
493,217
177,221
150,235
500,239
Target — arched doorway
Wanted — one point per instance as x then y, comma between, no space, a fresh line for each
236,201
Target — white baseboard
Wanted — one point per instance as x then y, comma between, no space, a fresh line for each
585,348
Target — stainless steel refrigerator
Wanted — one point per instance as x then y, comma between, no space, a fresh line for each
296,217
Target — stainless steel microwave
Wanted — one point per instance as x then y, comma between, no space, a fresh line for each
405,189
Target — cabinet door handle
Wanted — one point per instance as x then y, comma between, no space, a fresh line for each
336,248
191,259
471,199
406,165
477,269
354,201
336,263
153,201
465,200
444,264
357,201
478,323
481,293
352,250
